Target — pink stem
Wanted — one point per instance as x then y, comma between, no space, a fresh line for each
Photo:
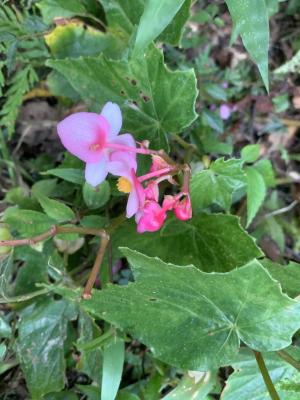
138,150
154,174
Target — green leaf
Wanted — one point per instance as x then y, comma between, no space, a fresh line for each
122,20
95,197
217,184
91,391
5,329
34,270
6,270
93,221
250,153
124,395
291,66
246,382
287,275
2,352
250,19
154,100
206,315
64,395
44,187
5,235
75,40
60,87
188,389
156,17
90,362
19,84
113,360
272,228
212,120
173,32
289,388
27,222
215,91
72,175
272,6
256,193
51,9
40,346
122,17
204,241
264,167
55,209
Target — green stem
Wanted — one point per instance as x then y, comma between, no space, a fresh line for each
289,359
266,377
184,144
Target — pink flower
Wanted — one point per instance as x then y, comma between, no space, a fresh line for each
151,218
225,111
129,183
91,137
183,208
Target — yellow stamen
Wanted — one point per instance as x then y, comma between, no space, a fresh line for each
124,185
95,147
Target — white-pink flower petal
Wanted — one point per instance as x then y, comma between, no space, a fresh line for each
112,113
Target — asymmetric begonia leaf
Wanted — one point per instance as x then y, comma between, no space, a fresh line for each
40,345
217,184
250,20
154,100
194,320
212,242
246,382
287,275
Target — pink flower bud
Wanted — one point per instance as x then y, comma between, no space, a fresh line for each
150,218
169,202
183,209
158,163
151,191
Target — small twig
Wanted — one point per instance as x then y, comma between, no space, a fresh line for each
266,377
281,210
186,178
96,267
290,122
31,241
289,359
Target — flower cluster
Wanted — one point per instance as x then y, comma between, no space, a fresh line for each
94,138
